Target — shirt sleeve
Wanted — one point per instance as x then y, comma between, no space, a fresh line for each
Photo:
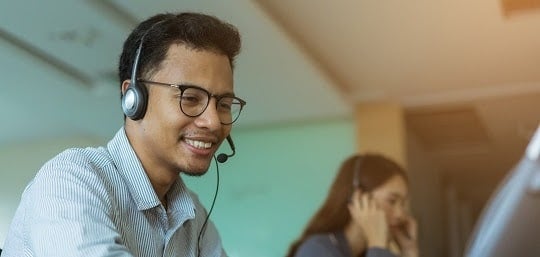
68,214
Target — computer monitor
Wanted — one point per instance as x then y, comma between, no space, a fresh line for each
510,222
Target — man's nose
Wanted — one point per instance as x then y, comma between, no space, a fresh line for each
210,117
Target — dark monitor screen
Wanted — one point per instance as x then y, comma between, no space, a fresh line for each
510,222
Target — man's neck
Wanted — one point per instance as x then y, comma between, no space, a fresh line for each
162,178
161,181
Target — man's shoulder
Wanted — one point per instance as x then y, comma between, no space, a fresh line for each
78,164
75,173
80,157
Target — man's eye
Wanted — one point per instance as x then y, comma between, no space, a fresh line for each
190,99
226,106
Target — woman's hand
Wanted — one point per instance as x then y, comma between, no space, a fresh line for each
406,237
370,218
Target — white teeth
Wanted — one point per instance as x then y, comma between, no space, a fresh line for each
199,144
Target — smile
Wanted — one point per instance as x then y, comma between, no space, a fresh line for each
199,144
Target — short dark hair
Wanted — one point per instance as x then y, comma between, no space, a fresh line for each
194,30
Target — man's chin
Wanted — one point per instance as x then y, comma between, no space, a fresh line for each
195,173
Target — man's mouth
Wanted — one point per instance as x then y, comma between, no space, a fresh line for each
199,144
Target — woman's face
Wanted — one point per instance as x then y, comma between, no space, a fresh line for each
392,197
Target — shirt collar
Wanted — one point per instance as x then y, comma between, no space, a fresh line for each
180,199
131,170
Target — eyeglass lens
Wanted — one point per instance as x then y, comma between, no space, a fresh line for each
194,102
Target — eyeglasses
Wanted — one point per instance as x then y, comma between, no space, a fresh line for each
194,101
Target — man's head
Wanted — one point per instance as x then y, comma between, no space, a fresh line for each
185,68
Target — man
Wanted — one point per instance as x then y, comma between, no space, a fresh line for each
127,199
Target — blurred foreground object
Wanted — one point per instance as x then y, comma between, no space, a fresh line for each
509,224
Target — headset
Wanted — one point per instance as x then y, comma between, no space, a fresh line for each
356,175
135,99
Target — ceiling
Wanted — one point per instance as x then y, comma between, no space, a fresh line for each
466,72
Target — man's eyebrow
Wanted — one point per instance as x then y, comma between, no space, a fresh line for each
190,84
228,94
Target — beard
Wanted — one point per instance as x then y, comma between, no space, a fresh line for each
195,170
194,173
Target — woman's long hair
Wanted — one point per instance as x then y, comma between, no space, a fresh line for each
372,170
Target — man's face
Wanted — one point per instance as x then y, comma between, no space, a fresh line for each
171,140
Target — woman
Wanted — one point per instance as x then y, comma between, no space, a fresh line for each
365,214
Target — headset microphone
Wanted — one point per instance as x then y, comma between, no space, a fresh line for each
221,158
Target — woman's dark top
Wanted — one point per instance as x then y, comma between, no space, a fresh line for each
334,245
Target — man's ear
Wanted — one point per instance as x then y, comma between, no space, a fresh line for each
125,85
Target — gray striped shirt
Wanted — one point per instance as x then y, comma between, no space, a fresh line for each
99,202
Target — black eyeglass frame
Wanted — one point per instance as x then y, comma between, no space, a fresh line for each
182,88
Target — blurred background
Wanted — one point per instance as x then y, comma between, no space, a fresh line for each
450,89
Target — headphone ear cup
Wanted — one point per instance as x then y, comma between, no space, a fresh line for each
134,101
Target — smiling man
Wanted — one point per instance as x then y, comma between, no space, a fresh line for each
127,198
